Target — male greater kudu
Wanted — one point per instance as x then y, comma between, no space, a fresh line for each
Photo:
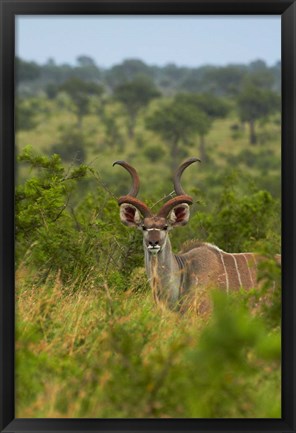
175,278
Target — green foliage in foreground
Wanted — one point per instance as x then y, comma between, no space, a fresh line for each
110,354
91,343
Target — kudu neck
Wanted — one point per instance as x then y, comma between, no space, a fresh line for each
163,273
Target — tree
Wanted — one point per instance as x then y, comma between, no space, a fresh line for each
211,105
25,115
71,145
85,61
177,122
87,69
260,75
208,107
256,103
135,95
169,77
113,136
80,92
26,71
127,71
225,81
277,76
51,90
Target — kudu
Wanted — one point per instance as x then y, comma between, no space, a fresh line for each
176,279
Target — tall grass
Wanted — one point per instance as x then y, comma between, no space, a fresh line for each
103,352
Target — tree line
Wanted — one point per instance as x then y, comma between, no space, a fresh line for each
186,112
219,80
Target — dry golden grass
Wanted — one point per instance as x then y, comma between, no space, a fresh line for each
65,328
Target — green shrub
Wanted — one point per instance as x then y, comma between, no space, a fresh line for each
58,231
239,221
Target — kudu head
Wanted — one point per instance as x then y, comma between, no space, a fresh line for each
155,227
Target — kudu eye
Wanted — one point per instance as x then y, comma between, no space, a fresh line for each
144,228
165,227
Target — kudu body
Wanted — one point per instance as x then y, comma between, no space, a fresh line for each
176,279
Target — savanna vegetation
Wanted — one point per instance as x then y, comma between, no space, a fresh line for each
90,342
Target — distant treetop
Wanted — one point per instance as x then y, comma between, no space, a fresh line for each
169,79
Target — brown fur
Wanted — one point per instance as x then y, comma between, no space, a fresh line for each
190,245
227,271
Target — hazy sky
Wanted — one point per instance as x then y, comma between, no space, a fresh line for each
183,40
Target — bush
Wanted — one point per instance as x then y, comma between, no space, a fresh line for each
55,233
239,221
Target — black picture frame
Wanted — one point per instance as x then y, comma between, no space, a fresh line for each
9,9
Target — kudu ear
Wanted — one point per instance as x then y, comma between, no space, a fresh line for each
129,215
179,215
